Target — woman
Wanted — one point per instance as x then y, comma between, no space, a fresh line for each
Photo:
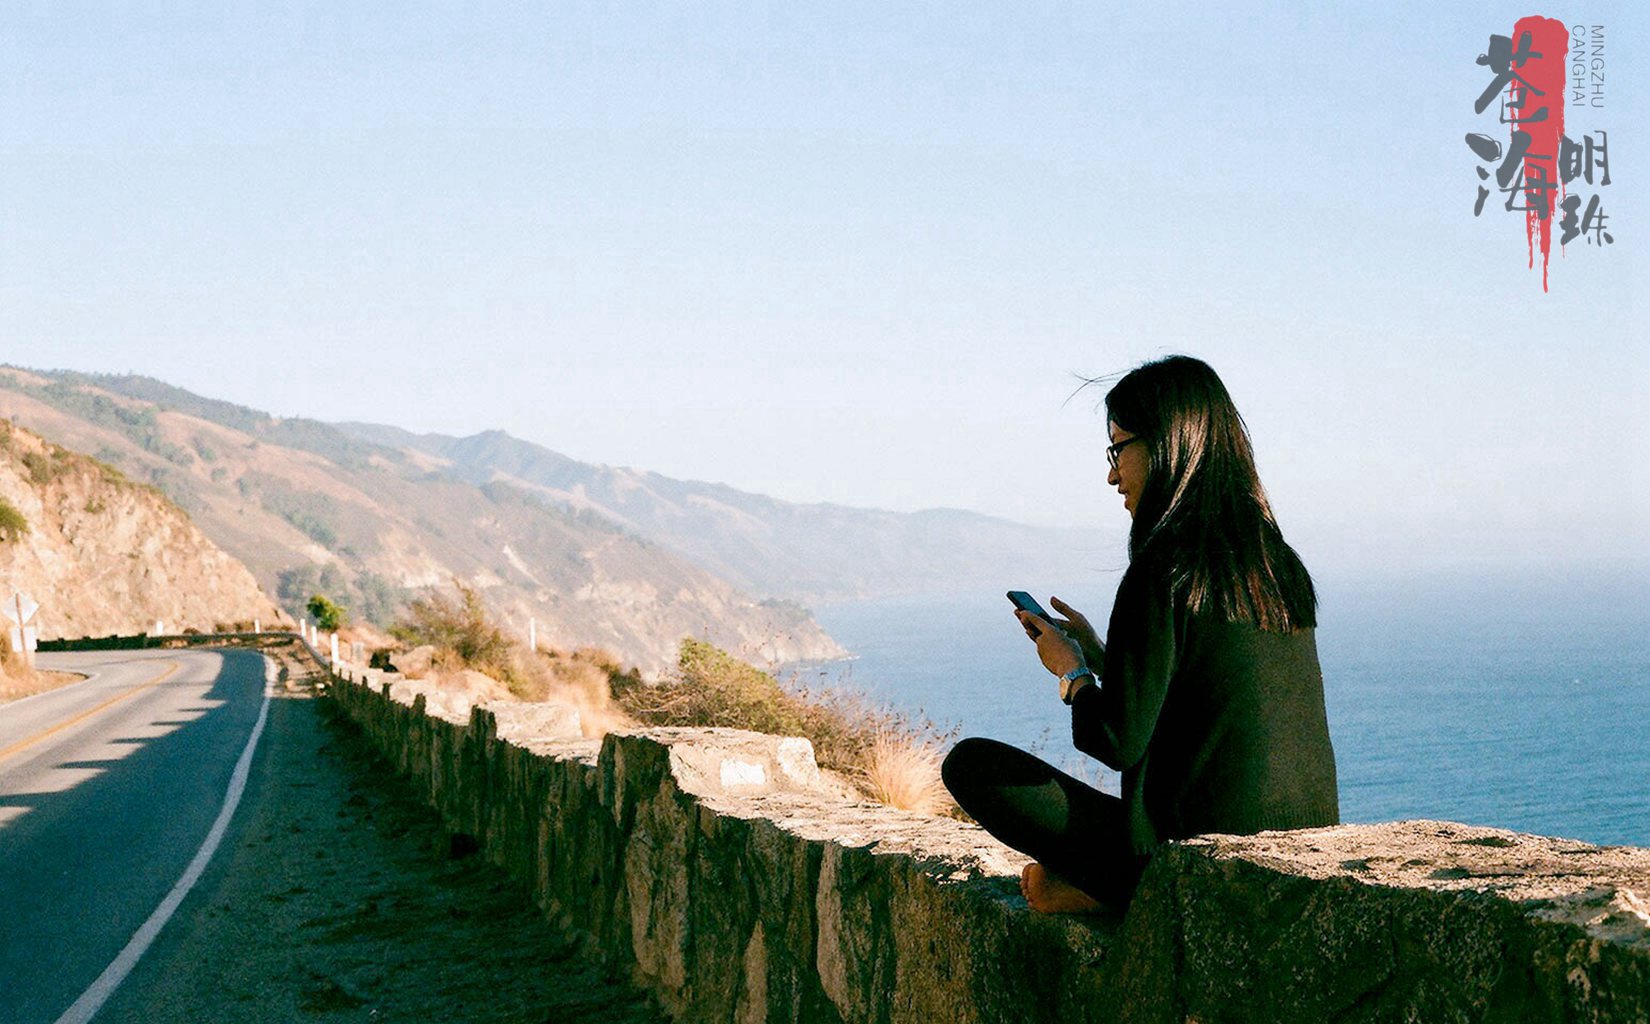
1206,695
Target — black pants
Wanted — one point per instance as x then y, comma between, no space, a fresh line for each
1070,828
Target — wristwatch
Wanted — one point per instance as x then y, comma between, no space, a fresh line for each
1069,684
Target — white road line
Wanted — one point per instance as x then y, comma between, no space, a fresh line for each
94,997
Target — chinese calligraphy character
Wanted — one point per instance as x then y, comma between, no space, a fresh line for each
1581,158
1501,59
1592,222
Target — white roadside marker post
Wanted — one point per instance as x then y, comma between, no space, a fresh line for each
20,610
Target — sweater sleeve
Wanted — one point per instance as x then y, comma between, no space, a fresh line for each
1114,721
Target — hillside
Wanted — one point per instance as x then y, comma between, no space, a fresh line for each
802,553
807,553
104,555
309,508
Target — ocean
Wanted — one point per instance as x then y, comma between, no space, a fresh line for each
1512,702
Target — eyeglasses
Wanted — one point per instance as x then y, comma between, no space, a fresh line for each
1114,450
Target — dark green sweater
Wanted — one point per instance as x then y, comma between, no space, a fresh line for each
1216,726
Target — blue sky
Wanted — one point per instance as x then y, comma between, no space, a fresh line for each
852,253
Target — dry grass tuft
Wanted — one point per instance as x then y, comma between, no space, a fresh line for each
582,679
904,771
18,680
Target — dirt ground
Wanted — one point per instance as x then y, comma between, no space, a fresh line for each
337,897
16,683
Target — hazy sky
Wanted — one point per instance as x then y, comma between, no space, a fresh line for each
852,252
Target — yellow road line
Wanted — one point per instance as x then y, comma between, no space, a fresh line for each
59,727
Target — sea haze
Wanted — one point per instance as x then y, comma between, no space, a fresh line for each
1521,703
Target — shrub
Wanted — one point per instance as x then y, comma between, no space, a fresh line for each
885,754
464,637
458,626
12,523
327,614
711,687
39,467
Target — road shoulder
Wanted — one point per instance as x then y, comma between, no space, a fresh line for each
335,898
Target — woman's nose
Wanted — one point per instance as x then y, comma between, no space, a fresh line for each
1112,477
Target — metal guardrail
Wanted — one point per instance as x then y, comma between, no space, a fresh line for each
143,641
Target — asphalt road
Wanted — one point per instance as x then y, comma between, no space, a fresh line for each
108,789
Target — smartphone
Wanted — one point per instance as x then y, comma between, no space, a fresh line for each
1025,602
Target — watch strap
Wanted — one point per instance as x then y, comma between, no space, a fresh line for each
1069,684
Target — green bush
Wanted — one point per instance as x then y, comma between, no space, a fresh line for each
327,614
12,523
712,688
39,467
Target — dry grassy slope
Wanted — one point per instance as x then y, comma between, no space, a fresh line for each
103,555
308,508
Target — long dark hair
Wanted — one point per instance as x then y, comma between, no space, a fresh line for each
1202,510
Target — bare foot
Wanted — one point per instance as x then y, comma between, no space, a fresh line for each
1048,893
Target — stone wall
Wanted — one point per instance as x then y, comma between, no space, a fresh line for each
716,867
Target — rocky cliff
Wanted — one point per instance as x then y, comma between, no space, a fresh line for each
104,555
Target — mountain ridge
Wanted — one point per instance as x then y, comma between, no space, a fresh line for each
810,553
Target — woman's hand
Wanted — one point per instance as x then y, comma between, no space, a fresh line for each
1077,627
1059,653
